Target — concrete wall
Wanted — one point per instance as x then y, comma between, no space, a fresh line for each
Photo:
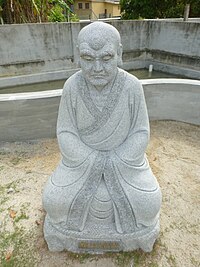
29,116
174,37
173,99
134,36
35,48
172,46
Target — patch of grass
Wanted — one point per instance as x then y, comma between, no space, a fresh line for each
3,197
3,153
25,205
1,168
123,258
22,216
12,185
133,258
15,160
195,262
153,265
82,257
171,260
16,249
16,245
2,201
2,189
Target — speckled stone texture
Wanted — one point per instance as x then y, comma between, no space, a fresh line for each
103,195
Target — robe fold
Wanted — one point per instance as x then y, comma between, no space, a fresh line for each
108,143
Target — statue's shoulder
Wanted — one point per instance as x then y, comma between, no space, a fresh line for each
71,85
130,78
132,83
73,80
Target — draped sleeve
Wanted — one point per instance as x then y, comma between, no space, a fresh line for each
132,151
73,150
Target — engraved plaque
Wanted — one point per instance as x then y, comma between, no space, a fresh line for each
99,245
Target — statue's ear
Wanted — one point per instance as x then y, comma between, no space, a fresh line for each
119,54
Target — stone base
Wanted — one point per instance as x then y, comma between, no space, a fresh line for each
98,239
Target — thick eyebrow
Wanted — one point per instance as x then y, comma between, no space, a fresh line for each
85,52
107,53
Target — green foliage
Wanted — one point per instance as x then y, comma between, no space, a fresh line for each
150,9
194,8
74,18
1,2
61,12
14,251
22,216
56,14
19,11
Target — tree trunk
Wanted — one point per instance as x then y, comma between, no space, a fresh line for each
186,12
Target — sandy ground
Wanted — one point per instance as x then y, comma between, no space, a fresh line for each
174,155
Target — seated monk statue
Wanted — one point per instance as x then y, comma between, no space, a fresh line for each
103,195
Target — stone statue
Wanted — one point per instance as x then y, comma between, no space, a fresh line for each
103,195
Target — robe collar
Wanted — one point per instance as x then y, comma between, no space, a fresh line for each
101,117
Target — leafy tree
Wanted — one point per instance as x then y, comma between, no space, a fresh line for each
23,11
134,9
60,10
1,10
194,7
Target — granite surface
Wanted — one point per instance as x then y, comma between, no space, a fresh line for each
103,195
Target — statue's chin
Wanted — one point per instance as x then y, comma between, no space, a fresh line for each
100,82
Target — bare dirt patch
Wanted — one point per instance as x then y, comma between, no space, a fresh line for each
174,155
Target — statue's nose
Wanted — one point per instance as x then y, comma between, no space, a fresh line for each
98,66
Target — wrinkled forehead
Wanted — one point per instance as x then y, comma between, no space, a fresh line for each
97,35
97,42
86,48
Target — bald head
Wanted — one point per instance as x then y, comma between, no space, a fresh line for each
97,34
100,53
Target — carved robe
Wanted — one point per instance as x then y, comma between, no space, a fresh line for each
106,144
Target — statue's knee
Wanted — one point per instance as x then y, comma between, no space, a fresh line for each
149,206
53,202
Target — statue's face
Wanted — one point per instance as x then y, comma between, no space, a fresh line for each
98,62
